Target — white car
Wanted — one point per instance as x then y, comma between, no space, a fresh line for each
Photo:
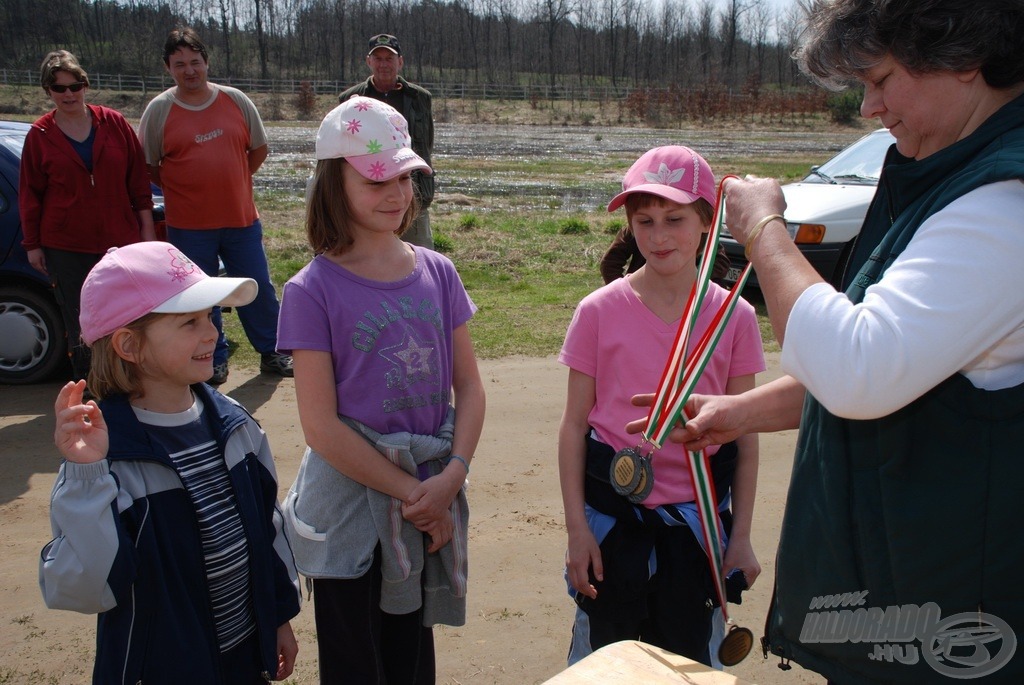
824,211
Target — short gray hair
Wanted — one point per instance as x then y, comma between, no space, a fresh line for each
844,38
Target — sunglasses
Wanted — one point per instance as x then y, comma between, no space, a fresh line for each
73,87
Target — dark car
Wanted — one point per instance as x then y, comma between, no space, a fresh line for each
33,342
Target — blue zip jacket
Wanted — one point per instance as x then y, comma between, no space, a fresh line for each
126,546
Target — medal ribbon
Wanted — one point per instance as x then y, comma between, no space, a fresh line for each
677,382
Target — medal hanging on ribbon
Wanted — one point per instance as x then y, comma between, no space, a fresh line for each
677,383
632,474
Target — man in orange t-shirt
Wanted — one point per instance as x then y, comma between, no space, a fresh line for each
203,142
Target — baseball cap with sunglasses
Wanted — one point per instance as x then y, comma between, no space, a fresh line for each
73,87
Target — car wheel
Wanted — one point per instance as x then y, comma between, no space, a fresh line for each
33,343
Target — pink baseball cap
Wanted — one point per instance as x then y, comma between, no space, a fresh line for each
673,172
372,136
132,281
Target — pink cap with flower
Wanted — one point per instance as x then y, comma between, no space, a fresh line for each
673,172
132,281
372,136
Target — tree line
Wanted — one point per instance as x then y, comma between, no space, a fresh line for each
671,44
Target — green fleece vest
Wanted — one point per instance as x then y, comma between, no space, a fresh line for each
894,526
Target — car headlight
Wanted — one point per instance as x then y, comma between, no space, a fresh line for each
802,234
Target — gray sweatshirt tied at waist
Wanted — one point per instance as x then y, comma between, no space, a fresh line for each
335,523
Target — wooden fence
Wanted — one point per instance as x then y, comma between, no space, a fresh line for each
472,91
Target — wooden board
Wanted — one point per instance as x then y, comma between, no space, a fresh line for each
636,662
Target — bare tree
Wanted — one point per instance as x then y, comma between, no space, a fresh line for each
760,24
551,14
705,37
732,16
635,22
225,28
610,28
788,25
260,7
508,13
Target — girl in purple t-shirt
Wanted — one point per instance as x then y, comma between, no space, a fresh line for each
636,570
378,332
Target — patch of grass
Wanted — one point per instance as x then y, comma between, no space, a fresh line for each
443,243
573,226
614,226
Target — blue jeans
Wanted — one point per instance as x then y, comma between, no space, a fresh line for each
241,250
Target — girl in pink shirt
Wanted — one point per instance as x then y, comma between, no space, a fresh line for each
639,571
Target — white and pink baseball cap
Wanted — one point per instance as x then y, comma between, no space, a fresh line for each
371,136
132,281
674,172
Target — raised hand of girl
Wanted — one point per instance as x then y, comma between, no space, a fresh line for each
81,433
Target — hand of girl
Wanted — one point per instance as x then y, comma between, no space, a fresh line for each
81,433
287,650
431,499
583,554
740,554
440,531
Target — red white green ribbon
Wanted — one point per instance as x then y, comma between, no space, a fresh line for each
677,382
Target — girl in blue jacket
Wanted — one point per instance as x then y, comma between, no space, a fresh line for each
165,514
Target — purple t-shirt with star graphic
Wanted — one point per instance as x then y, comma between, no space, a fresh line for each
391,342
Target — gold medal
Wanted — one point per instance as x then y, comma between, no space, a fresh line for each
626,470
646,483
736,645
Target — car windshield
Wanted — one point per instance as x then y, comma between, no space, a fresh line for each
859,163
13,141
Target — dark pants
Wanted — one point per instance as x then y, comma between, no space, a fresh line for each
241,664
419,232
678,613
241,250
67,272
359,643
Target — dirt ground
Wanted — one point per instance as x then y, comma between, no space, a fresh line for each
519,615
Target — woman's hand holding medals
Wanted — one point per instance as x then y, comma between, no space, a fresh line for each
716,421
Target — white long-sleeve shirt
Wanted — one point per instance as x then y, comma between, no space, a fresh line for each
952,301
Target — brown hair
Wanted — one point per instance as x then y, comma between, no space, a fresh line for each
328,214
60,60
183,37
109,372
636,201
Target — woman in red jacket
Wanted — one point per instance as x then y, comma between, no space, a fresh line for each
84,188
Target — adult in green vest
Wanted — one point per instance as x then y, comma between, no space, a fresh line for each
899,559
385,61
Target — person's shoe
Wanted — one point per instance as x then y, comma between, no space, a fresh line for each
220,374
275,362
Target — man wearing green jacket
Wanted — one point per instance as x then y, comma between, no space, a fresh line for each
385,61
